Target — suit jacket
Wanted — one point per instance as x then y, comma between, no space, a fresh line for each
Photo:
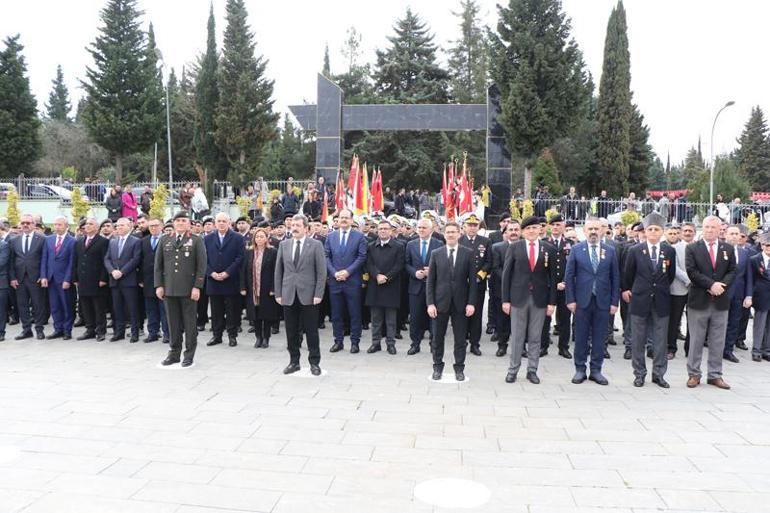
413,262
147,277
26,266
760,296
650,284
307,279
58,268
127,262
519,282
703,275
499,250
88,266
744,278
387,260
352,259
482,257
681,284
225,257
180,266
5,264
583,283
446,287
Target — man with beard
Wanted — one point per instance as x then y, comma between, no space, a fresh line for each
511,234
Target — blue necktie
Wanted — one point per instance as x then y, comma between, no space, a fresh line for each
424,252
344,240
120,247
154,243
594,258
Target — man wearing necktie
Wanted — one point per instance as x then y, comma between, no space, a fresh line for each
156,312
122,263
650,268
418,253
482,262
56,275
90,277
26,256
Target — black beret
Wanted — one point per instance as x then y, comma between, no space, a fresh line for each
569,224
637,227
558,218
196,222
181,215
288,215
256,224
530,221
242,218
542,220
505,216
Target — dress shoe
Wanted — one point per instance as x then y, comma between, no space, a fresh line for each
374,348
742,345
336,347
399,336
766,357
627,353
364,326
459,375
494,337
354,348
151,338
510,377
579,377
214,341
501,350
232,342
670,356
86,336
134,339
315,370
116,338
187,362
258,342
598,378
274,330
13,322
476,350
79,323
23,335
565,354
606,354
391,349
639,381
532,378
693,381
436,375
40,335
610,342
524,353
291,368
490,330
680,336
754,357
252,329
265,343
201,328
543,352
413,350
165,340
100,338
649,352
322,326
719,383
54,335
662,383
2,337
169,361
730,357
67,336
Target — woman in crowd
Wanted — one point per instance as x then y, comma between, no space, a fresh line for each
114,204
129,203
257,284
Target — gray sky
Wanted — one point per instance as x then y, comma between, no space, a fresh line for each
688,57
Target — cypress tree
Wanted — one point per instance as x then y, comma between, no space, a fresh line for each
20,142
615,110
754,151
468,58
540,72
327,69
245,121
59,106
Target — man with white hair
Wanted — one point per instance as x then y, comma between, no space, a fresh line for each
56,275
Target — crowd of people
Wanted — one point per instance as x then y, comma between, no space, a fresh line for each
396,278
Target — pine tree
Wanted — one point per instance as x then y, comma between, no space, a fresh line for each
123,112
19,136
754,151
468,58
540,72
327,69
245,121
615,109
352,48
640,157
59,106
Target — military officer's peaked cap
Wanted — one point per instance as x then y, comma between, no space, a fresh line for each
181,215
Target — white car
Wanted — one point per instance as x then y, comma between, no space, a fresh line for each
45,191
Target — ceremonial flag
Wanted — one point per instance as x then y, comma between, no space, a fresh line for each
465,200
378,201
449,202
361,195
339,192
353,180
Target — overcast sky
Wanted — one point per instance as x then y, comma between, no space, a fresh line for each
688,57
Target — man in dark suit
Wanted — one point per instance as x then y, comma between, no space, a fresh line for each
345,258
711,268
502,320
451,292
224,254
56,275
741,289
384,264
300,274
494,238
482,262
650,269
759,266
418,253
156,311
91,278
122,263
5,266
528,295
26,255
563,246
592,293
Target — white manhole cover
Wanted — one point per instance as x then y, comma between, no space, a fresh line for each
452,493
8,453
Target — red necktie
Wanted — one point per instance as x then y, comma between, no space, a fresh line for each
532,256
713,256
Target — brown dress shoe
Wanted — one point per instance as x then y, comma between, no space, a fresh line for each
693,382
719,383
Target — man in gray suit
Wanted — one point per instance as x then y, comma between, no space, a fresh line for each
300,278
26,254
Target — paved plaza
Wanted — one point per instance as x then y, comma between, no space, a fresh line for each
89,427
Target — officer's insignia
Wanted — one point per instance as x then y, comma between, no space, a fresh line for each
725,254
545,260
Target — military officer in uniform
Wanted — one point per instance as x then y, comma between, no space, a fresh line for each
562,245
482,265
180,271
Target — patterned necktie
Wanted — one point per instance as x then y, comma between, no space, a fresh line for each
594,258
57,248
654,256
89,240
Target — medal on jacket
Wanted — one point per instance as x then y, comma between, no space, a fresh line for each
724,253
481,250
603,254
665,265
545,259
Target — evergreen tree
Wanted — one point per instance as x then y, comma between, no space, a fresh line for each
540,72
327,69
727,181
245,121
468,58
546,173
123,111
657,176
19,136
288,155
754,151
183,117
693,166
640,157
59,106
352,48
615,109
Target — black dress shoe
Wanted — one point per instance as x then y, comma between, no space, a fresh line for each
354,348
543,352
67,336
754,357
501,350
201,328
79,323
742,345
532,378
86,336
494,337
265,343
610,342
134,339
363,327
510,377
169,361
374,348
598,378
399,336
730,357
564,353
459,375
579,377
151,338
413,350
40,335
766,357
115,338
606,354
436,375
2,337
524,353
54,335
649,352
187,362
476,350
274,330
252,329
23,335
490,330
336,347
391,349
627,353
100,338
291,368
662,383
639,382
322,326
233,342
165,340
13,321
315,370
214,341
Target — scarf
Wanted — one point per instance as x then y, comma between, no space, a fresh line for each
256,275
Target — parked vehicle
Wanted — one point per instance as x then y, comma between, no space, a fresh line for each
45,191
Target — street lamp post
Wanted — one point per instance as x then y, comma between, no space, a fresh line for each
711,178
